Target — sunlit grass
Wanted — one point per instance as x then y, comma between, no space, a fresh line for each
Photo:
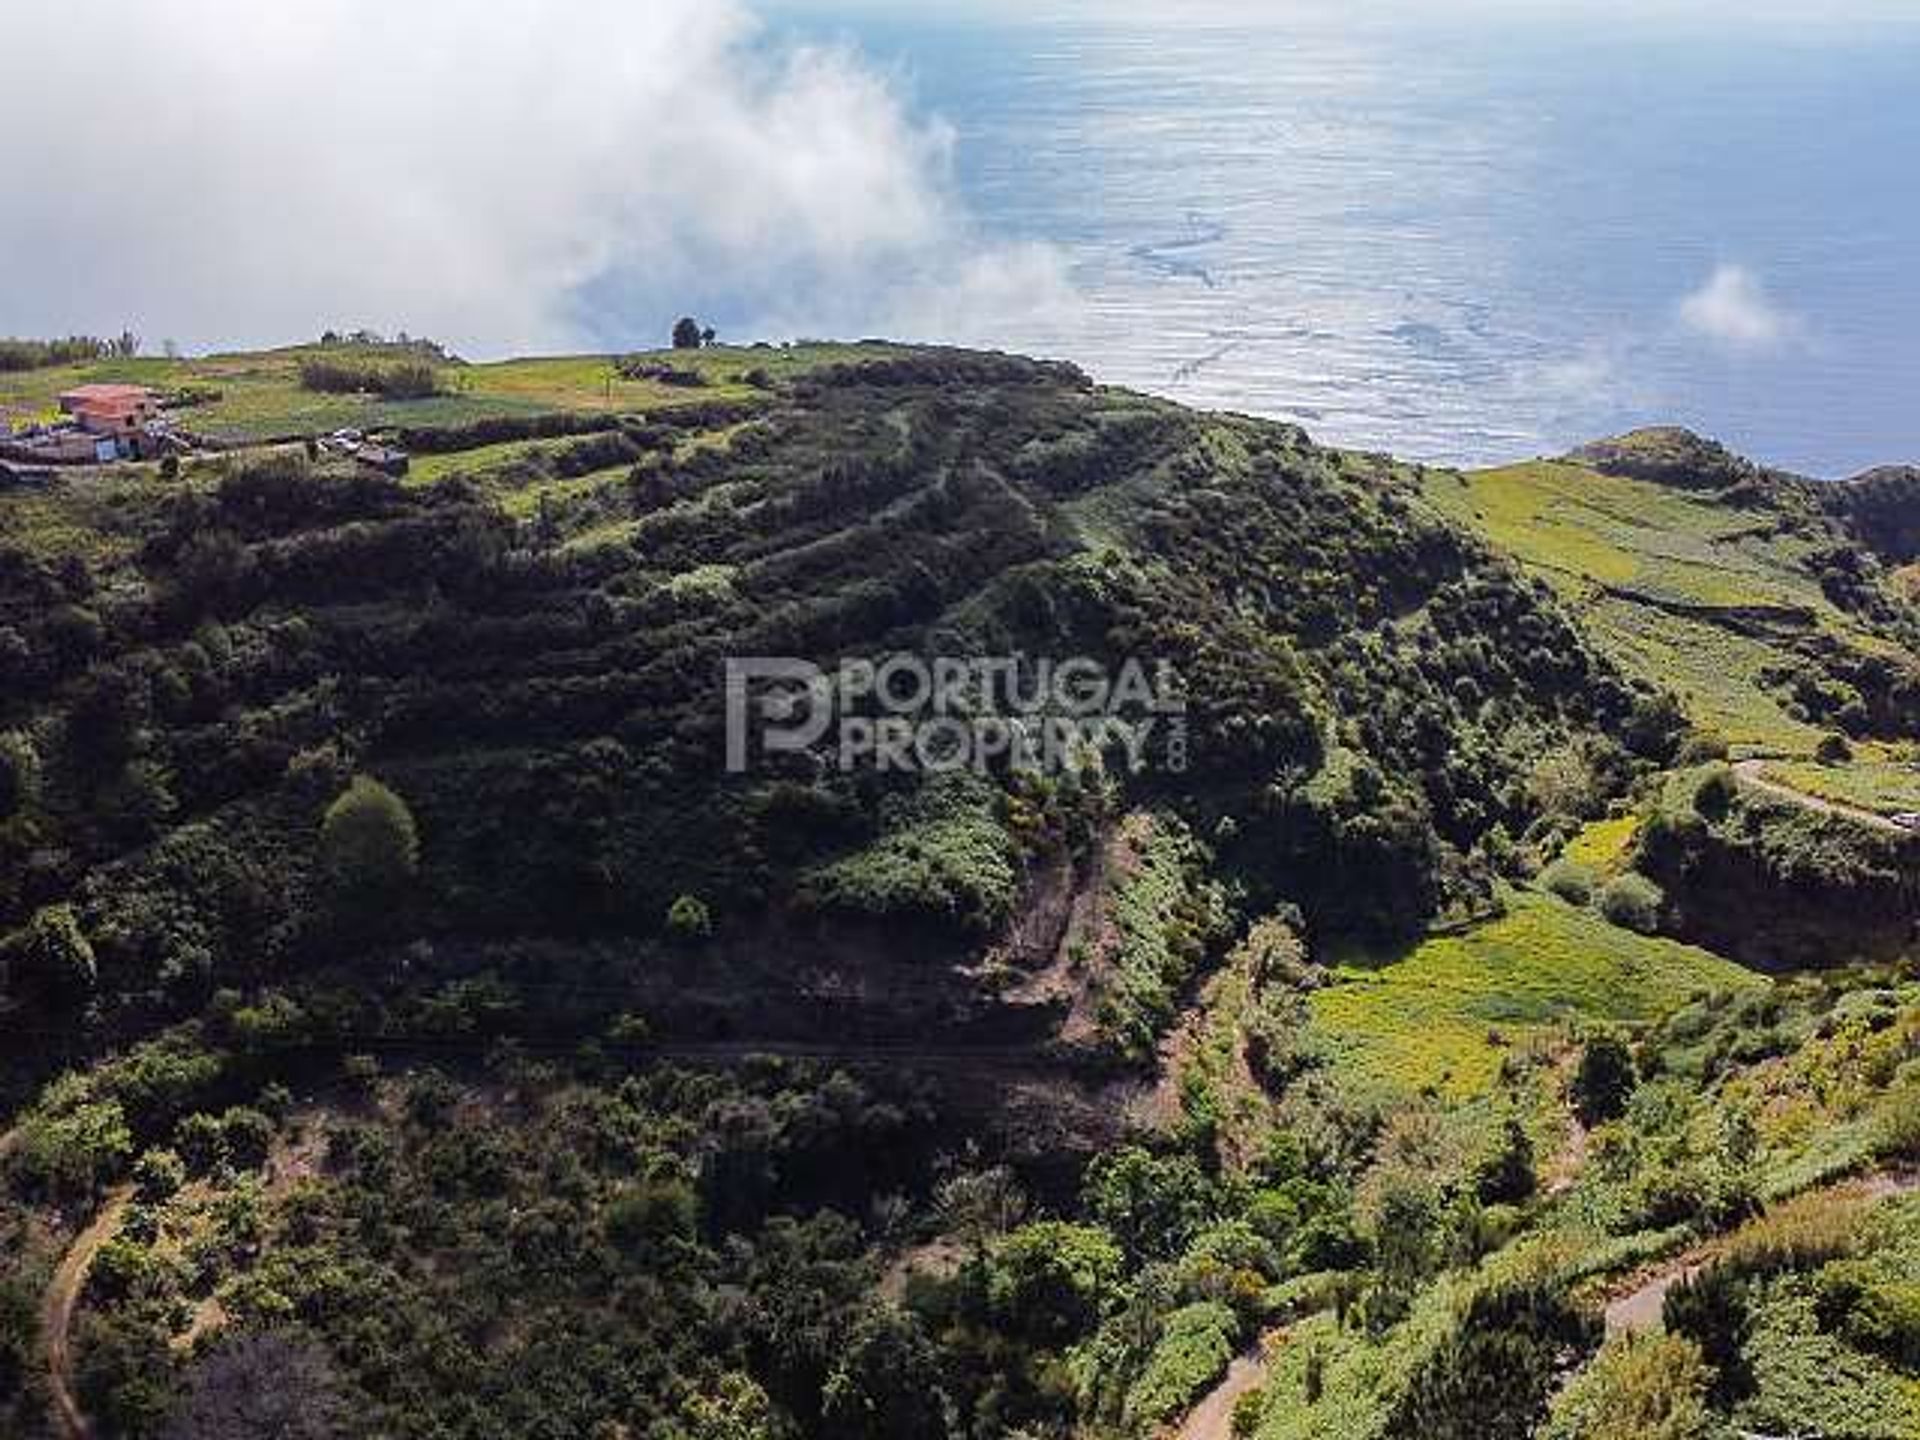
1445,1014
1633,556
1604,844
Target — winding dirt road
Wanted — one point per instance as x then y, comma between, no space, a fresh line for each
1212,1418
56,1313
1641,1309
1753,773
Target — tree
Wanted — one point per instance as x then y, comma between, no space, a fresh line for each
1643,1388
689,919
976,1206
1051,1280
55,959
687,334
1153,1205
19,774
1633,902
262,1384
369,844
887,1383
651,1213
1833,750
1605,1080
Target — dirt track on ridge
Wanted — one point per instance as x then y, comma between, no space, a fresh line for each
1753,773
56,1314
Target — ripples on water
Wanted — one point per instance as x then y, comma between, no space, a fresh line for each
1460,246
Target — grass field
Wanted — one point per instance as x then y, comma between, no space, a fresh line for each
261,396
1621,551
1445,1014
1604,844
1889,787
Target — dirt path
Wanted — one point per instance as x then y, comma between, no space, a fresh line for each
1753,773
1212,1418
1640,1309
56,1313
1563,1170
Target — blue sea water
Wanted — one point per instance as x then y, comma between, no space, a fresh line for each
1459,240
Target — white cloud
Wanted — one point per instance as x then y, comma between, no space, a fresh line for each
503,177
1733,310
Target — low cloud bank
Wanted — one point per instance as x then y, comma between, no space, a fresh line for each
510,177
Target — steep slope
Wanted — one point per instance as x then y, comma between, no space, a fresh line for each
533,658
1738,586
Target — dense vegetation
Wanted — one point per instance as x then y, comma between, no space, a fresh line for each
41,354
440,1041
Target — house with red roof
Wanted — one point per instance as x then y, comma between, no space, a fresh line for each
121,411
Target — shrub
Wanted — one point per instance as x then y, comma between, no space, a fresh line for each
1715,793
1196,1346
1642,1388
409,380
1571,881
159,1174
689,919
1505,1176
76,1149
1711,1309
1492,1377
1248,1411
1701,747
1833,749
1605,1079
248,1135
1872,1310
369,844
202,1142
1633,902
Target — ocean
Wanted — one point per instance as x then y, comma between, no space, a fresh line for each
1463,241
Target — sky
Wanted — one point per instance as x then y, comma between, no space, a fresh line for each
521,177
507,178
571,175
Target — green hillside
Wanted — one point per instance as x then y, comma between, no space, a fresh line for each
244,398
417,1022
1732,586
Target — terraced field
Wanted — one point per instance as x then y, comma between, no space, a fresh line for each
260,396
1698,591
